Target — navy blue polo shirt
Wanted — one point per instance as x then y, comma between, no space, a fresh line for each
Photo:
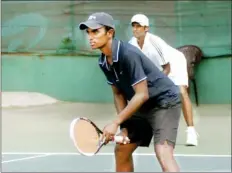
130,66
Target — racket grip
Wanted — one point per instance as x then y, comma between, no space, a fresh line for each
119,139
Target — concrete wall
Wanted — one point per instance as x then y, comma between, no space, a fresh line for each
79,79
214,81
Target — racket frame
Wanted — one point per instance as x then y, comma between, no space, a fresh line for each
101,143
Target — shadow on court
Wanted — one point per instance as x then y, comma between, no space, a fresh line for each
42,130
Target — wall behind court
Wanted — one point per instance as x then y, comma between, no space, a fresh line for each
49,29
80,79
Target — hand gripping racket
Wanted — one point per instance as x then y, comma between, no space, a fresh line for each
87,137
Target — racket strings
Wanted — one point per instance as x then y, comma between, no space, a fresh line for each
86,137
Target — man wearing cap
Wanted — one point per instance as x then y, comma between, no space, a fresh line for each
169,60
146,100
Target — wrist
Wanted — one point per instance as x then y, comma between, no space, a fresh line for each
117,122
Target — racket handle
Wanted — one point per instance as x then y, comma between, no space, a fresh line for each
119,139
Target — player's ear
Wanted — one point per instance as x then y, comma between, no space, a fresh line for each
146,28
110,33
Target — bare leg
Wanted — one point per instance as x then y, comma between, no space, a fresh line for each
123,155
186,106
165,155
188,115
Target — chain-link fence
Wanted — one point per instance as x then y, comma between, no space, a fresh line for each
51,26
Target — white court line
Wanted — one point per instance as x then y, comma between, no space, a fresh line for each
110,154
218,170
25,158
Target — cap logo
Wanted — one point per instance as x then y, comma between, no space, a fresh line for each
92,18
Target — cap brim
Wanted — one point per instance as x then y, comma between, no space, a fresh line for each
137,22
132,21
89,24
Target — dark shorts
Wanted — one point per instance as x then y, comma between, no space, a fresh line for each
160,123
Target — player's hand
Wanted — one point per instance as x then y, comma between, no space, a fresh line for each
109,131
124,134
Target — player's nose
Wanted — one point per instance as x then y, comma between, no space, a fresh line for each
134,28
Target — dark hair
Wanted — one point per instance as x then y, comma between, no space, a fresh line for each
109,28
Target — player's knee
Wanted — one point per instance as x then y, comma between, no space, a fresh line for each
164,150
122,152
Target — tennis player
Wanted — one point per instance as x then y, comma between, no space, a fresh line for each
146,100
169,60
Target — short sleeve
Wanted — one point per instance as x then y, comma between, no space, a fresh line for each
135,71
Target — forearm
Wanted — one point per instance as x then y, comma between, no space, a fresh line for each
135,103
120,102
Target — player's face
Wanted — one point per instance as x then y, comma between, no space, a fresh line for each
138,30
98,38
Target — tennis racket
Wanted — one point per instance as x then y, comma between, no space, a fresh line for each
87,137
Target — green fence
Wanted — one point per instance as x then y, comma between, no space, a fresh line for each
51,26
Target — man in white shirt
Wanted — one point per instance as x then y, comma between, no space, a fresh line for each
169,60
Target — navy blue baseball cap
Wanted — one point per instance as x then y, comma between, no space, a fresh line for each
97,20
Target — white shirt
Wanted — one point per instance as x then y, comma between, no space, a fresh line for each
160,53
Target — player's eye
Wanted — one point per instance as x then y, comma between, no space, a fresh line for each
95,31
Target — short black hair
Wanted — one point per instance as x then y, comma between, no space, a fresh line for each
107,28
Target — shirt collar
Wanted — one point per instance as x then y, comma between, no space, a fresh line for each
146,38
115,53
135,41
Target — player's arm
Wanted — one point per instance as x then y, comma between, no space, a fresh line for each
137,79
120,101
163,53
141,96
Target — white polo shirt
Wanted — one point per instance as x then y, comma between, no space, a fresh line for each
160,53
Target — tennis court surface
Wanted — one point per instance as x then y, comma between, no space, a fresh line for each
37,139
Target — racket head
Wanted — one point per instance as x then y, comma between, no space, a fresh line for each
86,136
